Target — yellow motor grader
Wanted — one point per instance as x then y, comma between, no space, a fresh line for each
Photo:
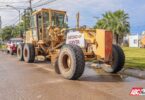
68,49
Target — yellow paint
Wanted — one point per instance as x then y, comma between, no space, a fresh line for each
143,41
47,10
104,41
29,36
99,41
100,38
89,36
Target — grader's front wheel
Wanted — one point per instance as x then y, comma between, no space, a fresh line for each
20,52
118,60
56,68
29,53
71,62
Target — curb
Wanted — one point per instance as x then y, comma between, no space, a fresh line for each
126,71
134,73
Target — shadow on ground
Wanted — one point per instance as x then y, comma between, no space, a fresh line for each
94,75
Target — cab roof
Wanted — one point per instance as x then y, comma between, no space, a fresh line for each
47,10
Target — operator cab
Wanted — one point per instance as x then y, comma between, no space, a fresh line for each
43,19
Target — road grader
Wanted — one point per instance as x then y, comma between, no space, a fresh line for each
68,49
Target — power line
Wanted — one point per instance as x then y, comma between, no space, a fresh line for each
35,5
6,8
44,3
15,2
7,1
38,2
30,6
14,21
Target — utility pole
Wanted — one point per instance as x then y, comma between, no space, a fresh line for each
30,10
25,21
19,17
78,20
30,6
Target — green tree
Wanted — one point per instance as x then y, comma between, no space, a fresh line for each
16,30
7,32
25,24
117,22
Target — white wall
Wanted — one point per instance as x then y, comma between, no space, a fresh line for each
134,41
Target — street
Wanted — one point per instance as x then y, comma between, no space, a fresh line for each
38,81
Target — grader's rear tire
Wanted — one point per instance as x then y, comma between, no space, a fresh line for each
71,62
118,60
56,68
20,52
29,53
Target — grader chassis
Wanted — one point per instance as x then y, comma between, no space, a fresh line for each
68,49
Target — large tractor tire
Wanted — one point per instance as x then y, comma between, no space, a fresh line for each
71,62
56,68
118,60
20,52
29,53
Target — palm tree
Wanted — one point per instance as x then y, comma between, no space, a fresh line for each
117,22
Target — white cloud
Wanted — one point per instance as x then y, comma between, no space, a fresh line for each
10,16
90,8
87,9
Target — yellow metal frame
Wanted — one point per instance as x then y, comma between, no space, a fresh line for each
99,41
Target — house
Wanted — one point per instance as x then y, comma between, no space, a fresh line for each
134,40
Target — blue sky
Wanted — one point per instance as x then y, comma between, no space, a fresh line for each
90,8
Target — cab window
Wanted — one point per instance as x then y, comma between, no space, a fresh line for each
45,24
58,19
46,19
32,22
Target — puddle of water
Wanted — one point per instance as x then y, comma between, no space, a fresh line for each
99,75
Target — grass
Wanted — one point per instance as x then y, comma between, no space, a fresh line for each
135,57
2,47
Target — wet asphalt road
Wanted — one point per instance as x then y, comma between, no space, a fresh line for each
22,81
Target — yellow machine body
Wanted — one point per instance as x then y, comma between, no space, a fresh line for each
143,41
48,37
99,43
104,41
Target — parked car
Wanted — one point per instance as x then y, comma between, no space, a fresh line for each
12,45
